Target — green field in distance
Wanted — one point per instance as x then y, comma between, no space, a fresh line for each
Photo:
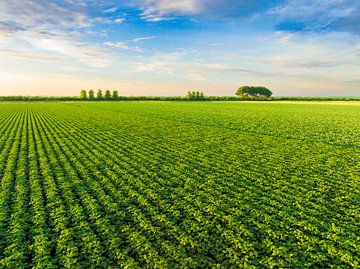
180,185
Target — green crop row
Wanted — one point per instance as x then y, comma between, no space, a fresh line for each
179,185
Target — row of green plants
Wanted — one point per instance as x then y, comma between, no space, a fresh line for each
183,185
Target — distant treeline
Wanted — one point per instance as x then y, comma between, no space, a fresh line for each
118,98
129,98
315,98
39,98
180,98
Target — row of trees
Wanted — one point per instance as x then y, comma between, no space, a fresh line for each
244,92
191,95
17,98
114,95
107,95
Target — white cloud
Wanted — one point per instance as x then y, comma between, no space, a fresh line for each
160,10
312,51
117,45
164,7
185,63
303,8
30,14
119,20
49,31
155,18
285,38
110,10
127,45
82,52
320,15
140,39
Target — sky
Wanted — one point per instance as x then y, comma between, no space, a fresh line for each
167,47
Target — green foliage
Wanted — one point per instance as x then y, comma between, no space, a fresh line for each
99,94
91,95
195,95
179,185
83,95
253,91
189,95
107,95
115,95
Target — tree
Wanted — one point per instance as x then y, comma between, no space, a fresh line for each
99,94
115,95
91,95
245,91
189,95
197,95
193,95
82,95
264,91
202,96
242,91
107,95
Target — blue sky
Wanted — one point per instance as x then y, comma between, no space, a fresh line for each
165,47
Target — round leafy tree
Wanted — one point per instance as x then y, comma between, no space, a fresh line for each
253,91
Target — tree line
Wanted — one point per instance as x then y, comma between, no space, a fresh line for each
108,95
195,95
100,95
243,93
21,98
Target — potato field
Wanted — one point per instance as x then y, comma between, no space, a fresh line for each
179,185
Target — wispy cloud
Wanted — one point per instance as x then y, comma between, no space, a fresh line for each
178,63
298,61
110,10
291,15
119,20
144,38
313,51
48,13
319,15
159,10
7,30
54,32
28,56
117,45
129,44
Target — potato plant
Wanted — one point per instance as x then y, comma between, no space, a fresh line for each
179,185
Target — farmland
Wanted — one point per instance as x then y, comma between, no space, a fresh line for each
179,185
